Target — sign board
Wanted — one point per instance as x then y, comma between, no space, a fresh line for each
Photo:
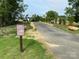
20,30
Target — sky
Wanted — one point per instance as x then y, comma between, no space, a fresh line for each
40,7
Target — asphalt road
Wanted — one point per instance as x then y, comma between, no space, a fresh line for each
68,44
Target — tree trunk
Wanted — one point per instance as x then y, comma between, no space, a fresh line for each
60,21
55,21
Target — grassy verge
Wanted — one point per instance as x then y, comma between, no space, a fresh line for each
9,48
65,28
7,30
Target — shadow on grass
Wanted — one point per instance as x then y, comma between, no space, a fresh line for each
35,50
30,43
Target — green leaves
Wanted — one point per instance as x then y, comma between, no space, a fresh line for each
75,6
36,18
51,15
9,9
69,11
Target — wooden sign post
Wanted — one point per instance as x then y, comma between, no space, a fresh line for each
20,32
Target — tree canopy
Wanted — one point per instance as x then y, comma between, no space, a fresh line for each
75,6
51,15
10,10
36,18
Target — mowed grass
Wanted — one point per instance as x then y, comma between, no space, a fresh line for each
65,28
9,48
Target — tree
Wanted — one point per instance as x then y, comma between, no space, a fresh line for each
75,6
9,10
62,19
69,11
51,16
36,18
70,15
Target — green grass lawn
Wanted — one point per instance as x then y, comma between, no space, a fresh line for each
9,48
65,28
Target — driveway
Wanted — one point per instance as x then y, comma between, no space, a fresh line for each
67,44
